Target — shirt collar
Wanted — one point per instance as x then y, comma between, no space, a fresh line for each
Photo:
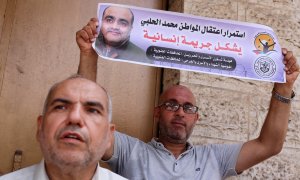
40,172
160,145
97,174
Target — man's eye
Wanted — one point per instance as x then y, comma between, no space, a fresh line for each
171,105
168,104
188,106
93,110
124,24
109,20
60,107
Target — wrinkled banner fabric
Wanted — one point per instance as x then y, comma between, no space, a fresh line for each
199,44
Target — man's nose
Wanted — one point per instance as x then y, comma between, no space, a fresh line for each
75,115
115,25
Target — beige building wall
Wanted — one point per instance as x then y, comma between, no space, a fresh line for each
38,48
233,110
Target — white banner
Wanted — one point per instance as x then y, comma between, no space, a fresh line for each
179,41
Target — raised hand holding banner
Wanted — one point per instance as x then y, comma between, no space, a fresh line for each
186,42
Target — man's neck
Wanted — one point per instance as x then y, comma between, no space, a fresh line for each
70,173
175,148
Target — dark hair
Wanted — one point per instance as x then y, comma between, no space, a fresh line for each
132,16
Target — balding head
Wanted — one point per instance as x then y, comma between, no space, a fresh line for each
127,11
178,91
77,77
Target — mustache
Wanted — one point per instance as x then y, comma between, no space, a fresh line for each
113,30
178,119
71,128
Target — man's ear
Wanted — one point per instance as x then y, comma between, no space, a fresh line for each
157,112
112,128
39,126
197,117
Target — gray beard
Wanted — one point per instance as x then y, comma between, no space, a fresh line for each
63,162
173,137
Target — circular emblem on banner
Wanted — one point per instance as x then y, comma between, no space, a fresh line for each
264,43
265,67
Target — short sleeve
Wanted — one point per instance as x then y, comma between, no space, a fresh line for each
123,147
226,155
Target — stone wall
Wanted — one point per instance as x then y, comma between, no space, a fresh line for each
233,110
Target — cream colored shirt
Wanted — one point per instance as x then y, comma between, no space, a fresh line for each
38,172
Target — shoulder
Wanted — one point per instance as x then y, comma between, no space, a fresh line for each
126,141
109,175
132,46
25,173
219,149
124,138
210,147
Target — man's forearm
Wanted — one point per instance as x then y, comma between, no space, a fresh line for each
88,66
274,130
